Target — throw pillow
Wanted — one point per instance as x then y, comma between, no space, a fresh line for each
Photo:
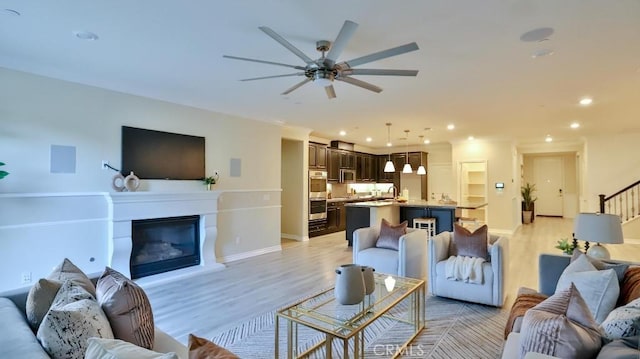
200,348
630,287
39,300
389,236
99,348
619,268
623,321
561,326
68,271
468,244
72,320
127,308
600,289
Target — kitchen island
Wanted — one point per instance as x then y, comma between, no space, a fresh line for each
367,214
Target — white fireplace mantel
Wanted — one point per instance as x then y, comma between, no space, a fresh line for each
125,207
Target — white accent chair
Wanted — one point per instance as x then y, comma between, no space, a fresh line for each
409,261
490,292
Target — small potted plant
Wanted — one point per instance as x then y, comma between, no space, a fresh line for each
3,174
211,180
565,246
527,202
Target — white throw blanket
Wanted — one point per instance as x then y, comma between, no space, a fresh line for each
467,269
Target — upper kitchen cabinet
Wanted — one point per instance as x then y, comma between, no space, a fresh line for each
347,160
317,155
333,165
384,177
366,165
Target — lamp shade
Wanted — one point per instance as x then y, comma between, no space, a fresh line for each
389,167
598,227
407,168
421,170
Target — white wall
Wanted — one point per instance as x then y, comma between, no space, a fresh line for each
500,157
611,163
36,112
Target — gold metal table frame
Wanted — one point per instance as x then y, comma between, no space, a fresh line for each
404,303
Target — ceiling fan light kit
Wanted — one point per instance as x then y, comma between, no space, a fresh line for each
324,71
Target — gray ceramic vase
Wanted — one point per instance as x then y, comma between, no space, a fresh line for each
369,282
349,284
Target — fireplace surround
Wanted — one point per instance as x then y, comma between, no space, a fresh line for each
126,207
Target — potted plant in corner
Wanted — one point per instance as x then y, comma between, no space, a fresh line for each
211,180
527,202
3,174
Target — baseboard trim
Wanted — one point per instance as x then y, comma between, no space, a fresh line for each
501,232
245,255
294,237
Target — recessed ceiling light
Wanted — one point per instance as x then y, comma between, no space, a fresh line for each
548,138
541,53
369,139
426,142
586,101
11,12
451,126
86,35
575,125
470,138
343,133
388,144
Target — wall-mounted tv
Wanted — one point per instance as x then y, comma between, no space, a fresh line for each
162,155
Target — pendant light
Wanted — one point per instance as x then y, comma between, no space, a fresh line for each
388,167
407,167
421,170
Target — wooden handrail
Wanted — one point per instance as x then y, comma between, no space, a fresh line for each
620,191
627,208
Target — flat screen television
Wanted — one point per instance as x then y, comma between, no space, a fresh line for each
154,154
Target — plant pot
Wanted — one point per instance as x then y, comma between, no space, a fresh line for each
527,216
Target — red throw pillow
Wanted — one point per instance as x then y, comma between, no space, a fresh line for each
389,237
467,244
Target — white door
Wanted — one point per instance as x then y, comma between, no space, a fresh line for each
549,185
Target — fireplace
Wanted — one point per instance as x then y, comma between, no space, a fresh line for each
164,244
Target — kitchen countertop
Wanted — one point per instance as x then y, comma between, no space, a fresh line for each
419,203
356,199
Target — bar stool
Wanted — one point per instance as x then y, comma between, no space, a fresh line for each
426,223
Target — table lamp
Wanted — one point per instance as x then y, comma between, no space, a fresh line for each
599,228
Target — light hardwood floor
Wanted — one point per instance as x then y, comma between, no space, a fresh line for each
211,303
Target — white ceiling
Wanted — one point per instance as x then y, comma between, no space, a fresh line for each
474,70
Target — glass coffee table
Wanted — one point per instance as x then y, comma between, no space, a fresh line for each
403,305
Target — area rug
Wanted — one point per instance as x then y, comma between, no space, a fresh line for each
454,329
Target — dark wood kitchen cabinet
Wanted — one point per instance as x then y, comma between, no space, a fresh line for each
384,177
347,160
366,166
317,155
333,165
336,217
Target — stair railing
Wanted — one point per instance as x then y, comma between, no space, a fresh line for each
625,203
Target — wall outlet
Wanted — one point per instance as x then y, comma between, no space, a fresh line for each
26,277
104,164
216,173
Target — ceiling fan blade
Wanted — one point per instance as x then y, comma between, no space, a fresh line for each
295,87
360,83
345,34
286,44
263,62
383,54
331,92
379,72
274,76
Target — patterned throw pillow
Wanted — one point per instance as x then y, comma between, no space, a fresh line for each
600,289
127,307
623,321
99,348
74,317
200,348
561,326
389,236
467,244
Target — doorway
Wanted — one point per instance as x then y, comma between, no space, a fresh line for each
293,180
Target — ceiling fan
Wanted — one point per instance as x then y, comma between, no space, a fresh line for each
325,70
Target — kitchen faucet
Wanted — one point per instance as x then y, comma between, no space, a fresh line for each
395,190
